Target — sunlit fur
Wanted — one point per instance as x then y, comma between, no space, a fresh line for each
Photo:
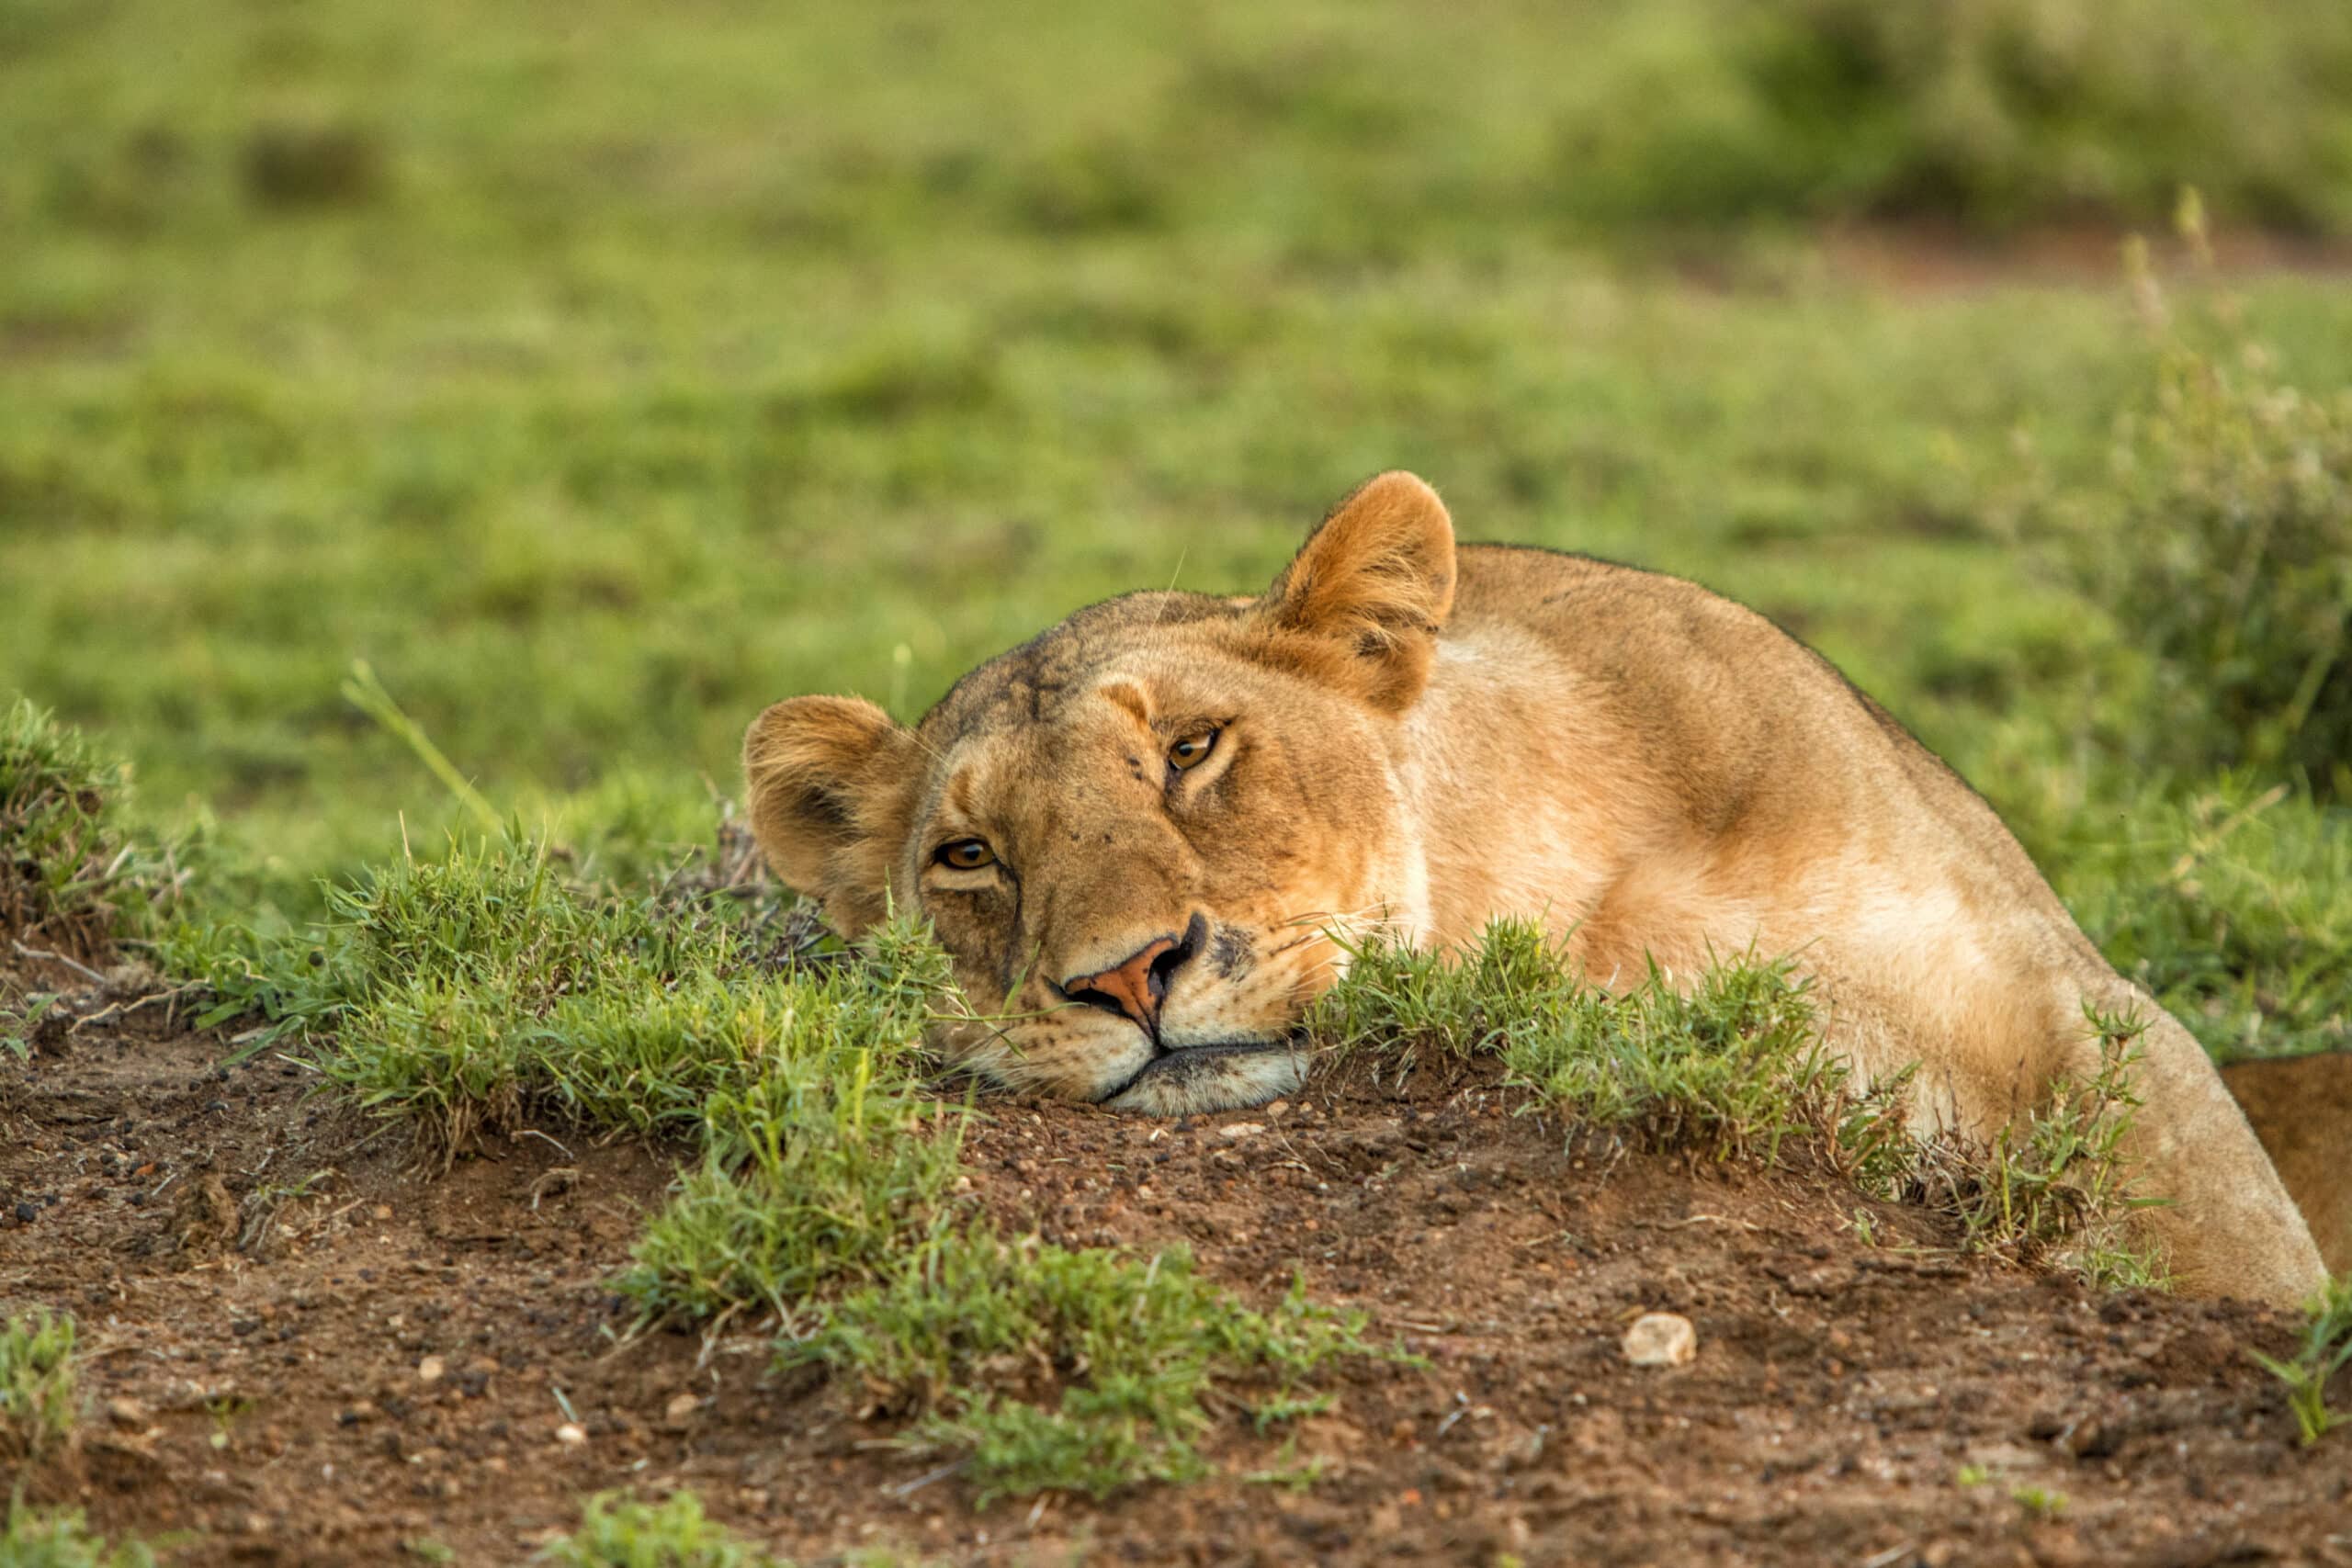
1422,740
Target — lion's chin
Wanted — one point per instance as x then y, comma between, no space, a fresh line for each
1196,1078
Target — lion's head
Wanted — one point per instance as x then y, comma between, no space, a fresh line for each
1138,834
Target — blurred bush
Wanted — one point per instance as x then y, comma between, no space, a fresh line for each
1991,112
313,162
2223,550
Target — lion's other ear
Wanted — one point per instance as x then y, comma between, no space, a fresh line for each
830,782
1377,580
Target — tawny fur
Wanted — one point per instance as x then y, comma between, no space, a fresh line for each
1421,738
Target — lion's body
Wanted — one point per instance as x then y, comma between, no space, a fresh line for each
1405,734
1676,779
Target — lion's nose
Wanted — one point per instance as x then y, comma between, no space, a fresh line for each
1135,987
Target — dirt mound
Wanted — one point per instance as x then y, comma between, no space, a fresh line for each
2302,1110
302,1351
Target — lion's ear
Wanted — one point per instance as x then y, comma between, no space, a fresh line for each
830,780
1375,581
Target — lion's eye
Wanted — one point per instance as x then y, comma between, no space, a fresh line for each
965,854
1193,750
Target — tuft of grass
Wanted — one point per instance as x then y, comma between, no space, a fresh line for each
482,990
2326,1349
2039,1502
621,1532
37,1408
825,1156
1731,1063
21,1021
1403,1002
1043,1369
72,880
824,1168
31,1537
2052,1190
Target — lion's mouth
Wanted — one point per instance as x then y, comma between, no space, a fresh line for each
1178,1065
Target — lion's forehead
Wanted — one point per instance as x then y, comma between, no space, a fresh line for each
1033,684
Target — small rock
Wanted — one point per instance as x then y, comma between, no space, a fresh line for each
680,1411
1278,1110
127,1413
2092,1440
26,1214
430,1370
1661,1340
1243,1129
383,1210
570,1435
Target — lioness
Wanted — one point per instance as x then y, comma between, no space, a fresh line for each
1138,834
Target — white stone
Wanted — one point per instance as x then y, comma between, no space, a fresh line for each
1661,1340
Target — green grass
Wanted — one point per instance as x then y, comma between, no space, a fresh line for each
71,878
38,1537
621,1532
819,1172
1038,1368
2326,1350
2231,902
1732,1065
485,988
2039,1502
37,1404
2053,1191
1728,1062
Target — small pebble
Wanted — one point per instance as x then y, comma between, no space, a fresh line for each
126,1413
680,1411
1243,1129
1661,1340
569,1435
430,1369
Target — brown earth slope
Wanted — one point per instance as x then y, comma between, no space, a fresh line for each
2301,1109
302,1351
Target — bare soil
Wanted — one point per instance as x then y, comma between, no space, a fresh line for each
302,1350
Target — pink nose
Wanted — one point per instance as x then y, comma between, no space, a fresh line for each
1133,989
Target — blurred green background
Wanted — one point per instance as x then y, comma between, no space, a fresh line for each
599,373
